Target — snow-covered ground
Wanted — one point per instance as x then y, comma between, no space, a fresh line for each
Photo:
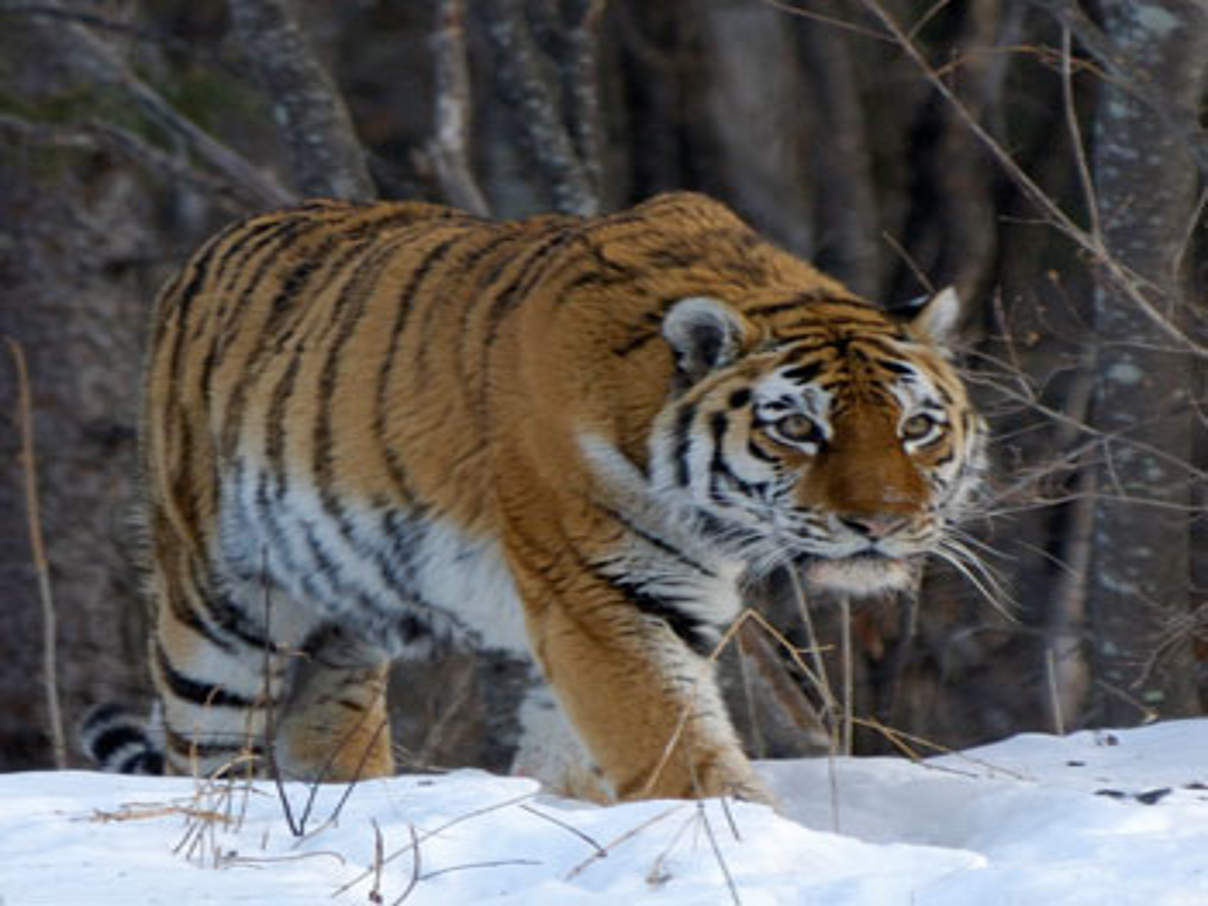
1092,818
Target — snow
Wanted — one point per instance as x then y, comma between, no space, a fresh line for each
1090,818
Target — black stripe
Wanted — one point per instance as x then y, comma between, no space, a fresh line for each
355,296
360,238
803,374
102,715
186,615
699,635
200,263
769,309
531,270
634,344
228,616
179,305
272,243
199,693
105,744
205,751
896,366
683,442
255,361
719,424
149,761
645,335
405,306
328,566
601,270
257,233
662,545
475,391
275,427
278,543
757,452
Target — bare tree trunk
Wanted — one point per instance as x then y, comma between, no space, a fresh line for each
528,81
450,145
1145,179
326,157
757,108
848,245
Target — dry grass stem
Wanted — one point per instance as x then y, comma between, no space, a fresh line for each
721,862
590,841
617,841
50,670
417,839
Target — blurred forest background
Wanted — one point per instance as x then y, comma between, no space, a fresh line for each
1046,157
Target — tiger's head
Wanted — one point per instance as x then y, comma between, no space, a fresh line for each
833,436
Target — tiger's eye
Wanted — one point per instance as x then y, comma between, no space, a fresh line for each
917,426
799,429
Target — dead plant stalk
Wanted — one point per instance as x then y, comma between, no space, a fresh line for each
50,673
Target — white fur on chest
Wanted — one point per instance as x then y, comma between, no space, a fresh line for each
679,565
470,579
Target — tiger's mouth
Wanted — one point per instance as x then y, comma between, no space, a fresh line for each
868,572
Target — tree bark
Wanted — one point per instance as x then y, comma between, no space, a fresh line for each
325,155
527,84
756,109
1145,180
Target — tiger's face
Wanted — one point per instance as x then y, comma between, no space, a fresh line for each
844,442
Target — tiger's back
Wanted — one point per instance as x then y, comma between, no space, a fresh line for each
370,426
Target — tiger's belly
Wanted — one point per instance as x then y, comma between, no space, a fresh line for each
395,578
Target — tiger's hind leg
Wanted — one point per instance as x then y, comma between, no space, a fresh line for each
334,725
214,680
239,666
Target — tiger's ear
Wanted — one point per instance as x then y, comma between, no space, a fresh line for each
936,318
703,333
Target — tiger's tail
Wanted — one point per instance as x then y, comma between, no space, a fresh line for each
122,742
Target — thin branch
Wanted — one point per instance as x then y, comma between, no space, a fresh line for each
837,22
1129,76
126,30
100,136
927,16
50,673
1126,280
327,156
1071,119
97,62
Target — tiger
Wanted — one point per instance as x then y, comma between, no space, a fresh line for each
371,428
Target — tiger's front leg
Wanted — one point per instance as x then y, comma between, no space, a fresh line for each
335,727
645,704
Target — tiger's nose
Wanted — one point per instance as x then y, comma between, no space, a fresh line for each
874,527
